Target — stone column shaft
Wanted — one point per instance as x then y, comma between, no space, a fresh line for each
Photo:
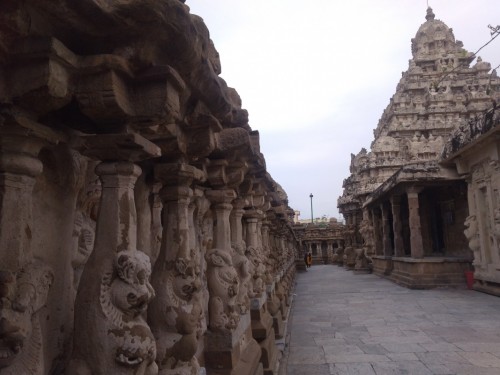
376,233
386,240
417,246
236,218
252,220
397,226
18,171
99,310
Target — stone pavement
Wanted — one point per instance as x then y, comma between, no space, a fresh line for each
342,323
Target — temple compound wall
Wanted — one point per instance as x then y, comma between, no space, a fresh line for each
406,205
324,241
140,232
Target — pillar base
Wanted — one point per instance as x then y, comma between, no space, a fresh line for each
279,326
263,333
233,353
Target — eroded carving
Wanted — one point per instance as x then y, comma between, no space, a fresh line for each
125,294
223,286
23,294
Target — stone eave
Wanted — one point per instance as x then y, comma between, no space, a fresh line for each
421,174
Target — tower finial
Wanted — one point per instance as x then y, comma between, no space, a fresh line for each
430,14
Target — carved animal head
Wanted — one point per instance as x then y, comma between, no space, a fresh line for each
22,294
132,291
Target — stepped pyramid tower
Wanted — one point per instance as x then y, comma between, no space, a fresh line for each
400,201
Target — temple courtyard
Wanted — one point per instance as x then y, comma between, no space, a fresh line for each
346,323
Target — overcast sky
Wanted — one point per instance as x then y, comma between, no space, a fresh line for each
316,76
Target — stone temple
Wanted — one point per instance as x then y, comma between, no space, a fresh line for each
140,232
424,203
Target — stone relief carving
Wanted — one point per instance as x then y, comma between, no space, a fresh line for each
133,104
125,294
84,235
177,317
223,286
472,234
85,223
23,294
180,357
244,268
257,285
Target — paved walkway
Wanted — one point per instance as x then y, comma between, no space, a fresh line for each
343,323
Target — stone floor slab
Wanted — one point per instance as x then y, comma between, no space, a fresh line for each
351,369
342,323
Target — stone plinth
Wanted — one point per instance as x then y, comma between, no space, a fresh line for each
486,285
263,332
273,305
426,273
382,265
233,352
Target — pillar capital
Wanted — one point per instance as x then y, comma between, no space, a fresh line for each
253,214
413,191
119,147
178,174
221,196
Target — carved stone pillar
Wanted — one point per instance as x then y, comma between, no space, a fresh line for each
240,261
416,243
24,281
111,334
262,322
236,218
376,233
265,235
386,228
329,250
229,346
252,220
397,226
176,312
19,166
221,202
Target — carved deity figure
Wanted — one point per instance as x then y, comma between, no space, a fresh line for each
244,267
472,234
223,286
22,295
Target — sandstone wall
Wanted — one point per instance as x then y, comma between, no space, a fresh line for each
140,232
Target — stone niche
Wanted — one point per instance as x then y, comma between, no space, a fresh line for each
127,170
